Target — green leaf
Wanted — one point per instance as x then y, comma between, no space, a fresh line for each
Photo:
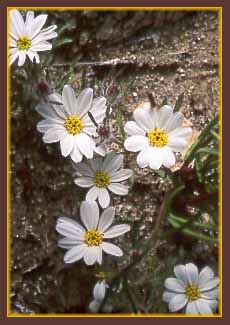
190,155
208,151
178,103
62,42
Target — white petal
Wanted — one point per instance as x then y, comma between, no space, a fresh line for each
192,273
69,99
213,305
47,111
30,55
58,107
155,157
132,128
67,144
98,109
99,255
103,197
94,306
99,290
84,169
191,308
54,135
76,155
121,175
136,143
181,274
100,150
75,254
29,19
90,130
106,219
143,119
206,274
174,285
90,255
203,306
84,145
119,189
211,284
111,249
174,122
13,58
164,114
84,101
177,302
68,243
181,132
17,25
168,156
176,144
13,45
84,182
212,294
37,25
143,158
92,194
44,46
96,164
70,228
89,212
22,58
116,231
167,296
112,162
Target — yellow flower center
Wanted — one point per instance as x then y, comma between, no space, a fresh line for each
192,292
101,179
73,125
157,137
93,237
100,275
23,43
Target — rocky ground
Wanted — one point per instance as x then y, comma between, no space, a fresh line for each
134,54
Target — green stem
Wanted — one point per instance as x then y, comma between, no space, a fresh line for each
196,145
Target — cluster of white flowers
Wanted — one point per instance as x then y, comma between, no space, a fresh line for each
156,134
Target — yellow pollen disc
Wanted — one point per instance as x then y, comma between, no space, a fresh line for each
101,179
93,238
100,275
192,292
73,125
157,137
23,43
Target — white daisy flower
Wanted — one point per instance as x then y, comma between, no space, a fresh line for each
198,292
27,37
156,134
98,296
103,175
88,243
67,120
